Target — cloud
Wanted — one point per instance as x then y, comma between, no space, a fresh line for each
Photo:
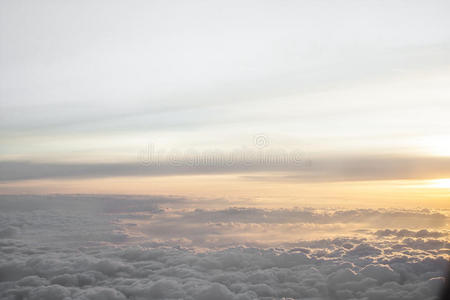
271,227
60,253
158,220
9,232
239,273
321,168
424,233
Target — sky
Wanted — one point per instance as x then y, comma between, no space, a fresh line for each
228,150
197,98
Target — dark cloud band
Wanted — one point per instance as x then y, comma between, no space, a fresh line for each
315,169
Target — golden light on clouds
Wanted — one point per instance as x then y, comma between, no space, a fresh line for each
236,189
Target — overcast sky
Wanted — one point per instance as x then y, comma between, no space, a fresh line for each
97,81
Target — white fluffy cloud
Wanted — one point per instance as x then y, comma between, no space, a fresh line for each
55,253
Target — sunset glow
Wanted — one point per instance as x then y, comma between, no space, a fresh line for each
224,150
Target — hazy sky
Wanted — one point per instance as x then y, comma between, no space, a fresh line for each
85,86
302,145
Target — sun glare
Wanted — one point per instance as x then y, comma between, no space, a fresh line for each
439,183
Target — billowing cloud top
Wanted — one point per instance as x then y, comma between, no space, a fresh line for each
111,247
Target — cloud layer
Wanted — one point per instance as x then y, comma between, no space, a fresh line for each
293,165
49,250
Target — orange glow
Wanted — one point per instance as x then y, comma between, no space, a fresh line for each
240,191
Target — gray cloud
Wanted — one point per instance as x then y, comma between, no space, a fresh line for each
303,169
